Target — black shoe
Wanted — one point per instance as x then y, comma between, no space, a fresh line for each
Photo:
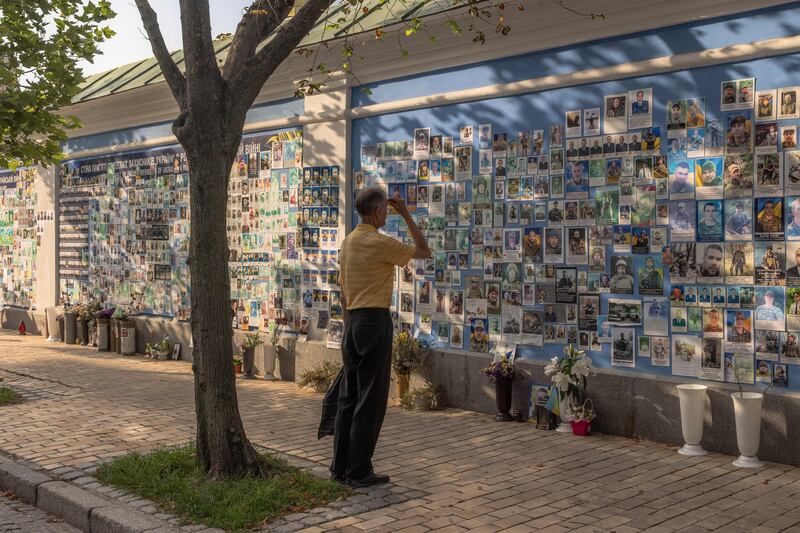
370,479
339,478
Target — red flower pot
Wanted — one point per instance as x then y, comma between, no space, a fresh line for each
581,428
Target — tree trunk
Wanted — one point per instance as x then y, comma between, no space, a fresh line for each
222,447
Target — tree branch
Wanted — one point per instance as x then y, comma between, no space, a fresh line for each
173,75
258,22
198,47
246,85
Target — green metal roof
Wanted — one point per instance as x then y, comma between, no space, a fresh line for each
379,13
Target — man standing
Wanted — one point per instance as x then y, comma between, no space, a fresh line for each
367,263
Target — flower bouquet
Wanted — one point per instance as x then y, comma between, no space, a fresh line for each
501,372
408,354
568,375
582,417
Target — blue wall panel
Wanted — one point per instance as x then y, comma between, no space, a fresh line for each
770,23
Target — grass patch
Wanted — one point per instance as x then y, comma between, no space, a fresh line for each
171,478
8,396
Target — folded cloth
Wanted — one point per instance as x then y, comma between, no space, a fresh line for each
330,406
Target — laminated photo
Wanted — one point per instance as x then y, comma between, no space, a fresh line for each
695,142
709,221
686,355
615,113
787,103
512,245
681,180
591,121
553,250
739,134
708,178
463,163
739,262
576,246
710,262
739,330
680,257
770,261
566,285
422,143
659,351
622,238
621,281
769,179
793,263
655,316
712,360
467,134
788,137
738,173
738,219
678,316
484,136
738,94
682,221
651,275
791,171
768,345
770,303
790,347
511,325
485,161
767,137
713,322
577,179
780,375
769,219
532,328
643,211
651,141
766,105
623,342
714,145
640,114
677,143
676,115
573,120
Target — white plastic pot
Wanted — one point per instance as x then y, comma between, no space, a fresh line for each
747,410
563,408
127,338
268,354
693,405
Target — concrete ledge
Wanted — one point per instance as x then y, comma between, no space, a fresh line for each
22,480
117,519
73,504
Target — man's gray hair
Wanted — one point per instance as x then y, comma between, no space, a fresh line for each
368,200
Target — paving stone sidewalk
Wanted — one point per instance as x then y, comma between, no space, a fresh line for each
451,470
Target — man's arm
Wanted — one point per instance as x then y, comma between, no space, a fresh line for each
422,250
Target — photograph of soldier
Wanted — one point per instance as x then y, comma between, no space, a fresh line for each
770,261
738,219
709,221
769,219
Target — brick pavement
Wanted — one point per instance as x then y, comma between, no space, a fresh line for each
456,470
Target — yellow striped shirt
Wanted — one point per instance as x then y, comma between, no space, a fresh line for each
366,261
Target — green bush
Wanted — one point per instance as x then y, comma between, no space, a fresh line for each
320,377
425,398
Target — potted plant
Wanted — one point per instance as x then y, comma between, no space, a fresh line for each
582,417
408,354
568,375
237,364
84,313
320,377
118,314
501,373
103,320
251,341
70,324
160,350
126,331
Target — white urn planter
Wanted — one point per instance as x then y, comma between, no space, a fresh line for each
693,405
563,409
747,410
269,354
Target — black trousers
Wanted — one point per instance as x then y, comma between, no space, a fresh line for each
364,391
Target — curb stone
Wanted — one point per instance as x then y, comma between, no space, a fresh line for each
22,480
78,507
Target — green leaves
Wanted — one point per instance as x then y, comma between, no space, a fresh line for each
41,43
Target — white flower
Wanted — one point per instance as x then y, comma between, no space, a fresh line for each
583,367
561,382
551,368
